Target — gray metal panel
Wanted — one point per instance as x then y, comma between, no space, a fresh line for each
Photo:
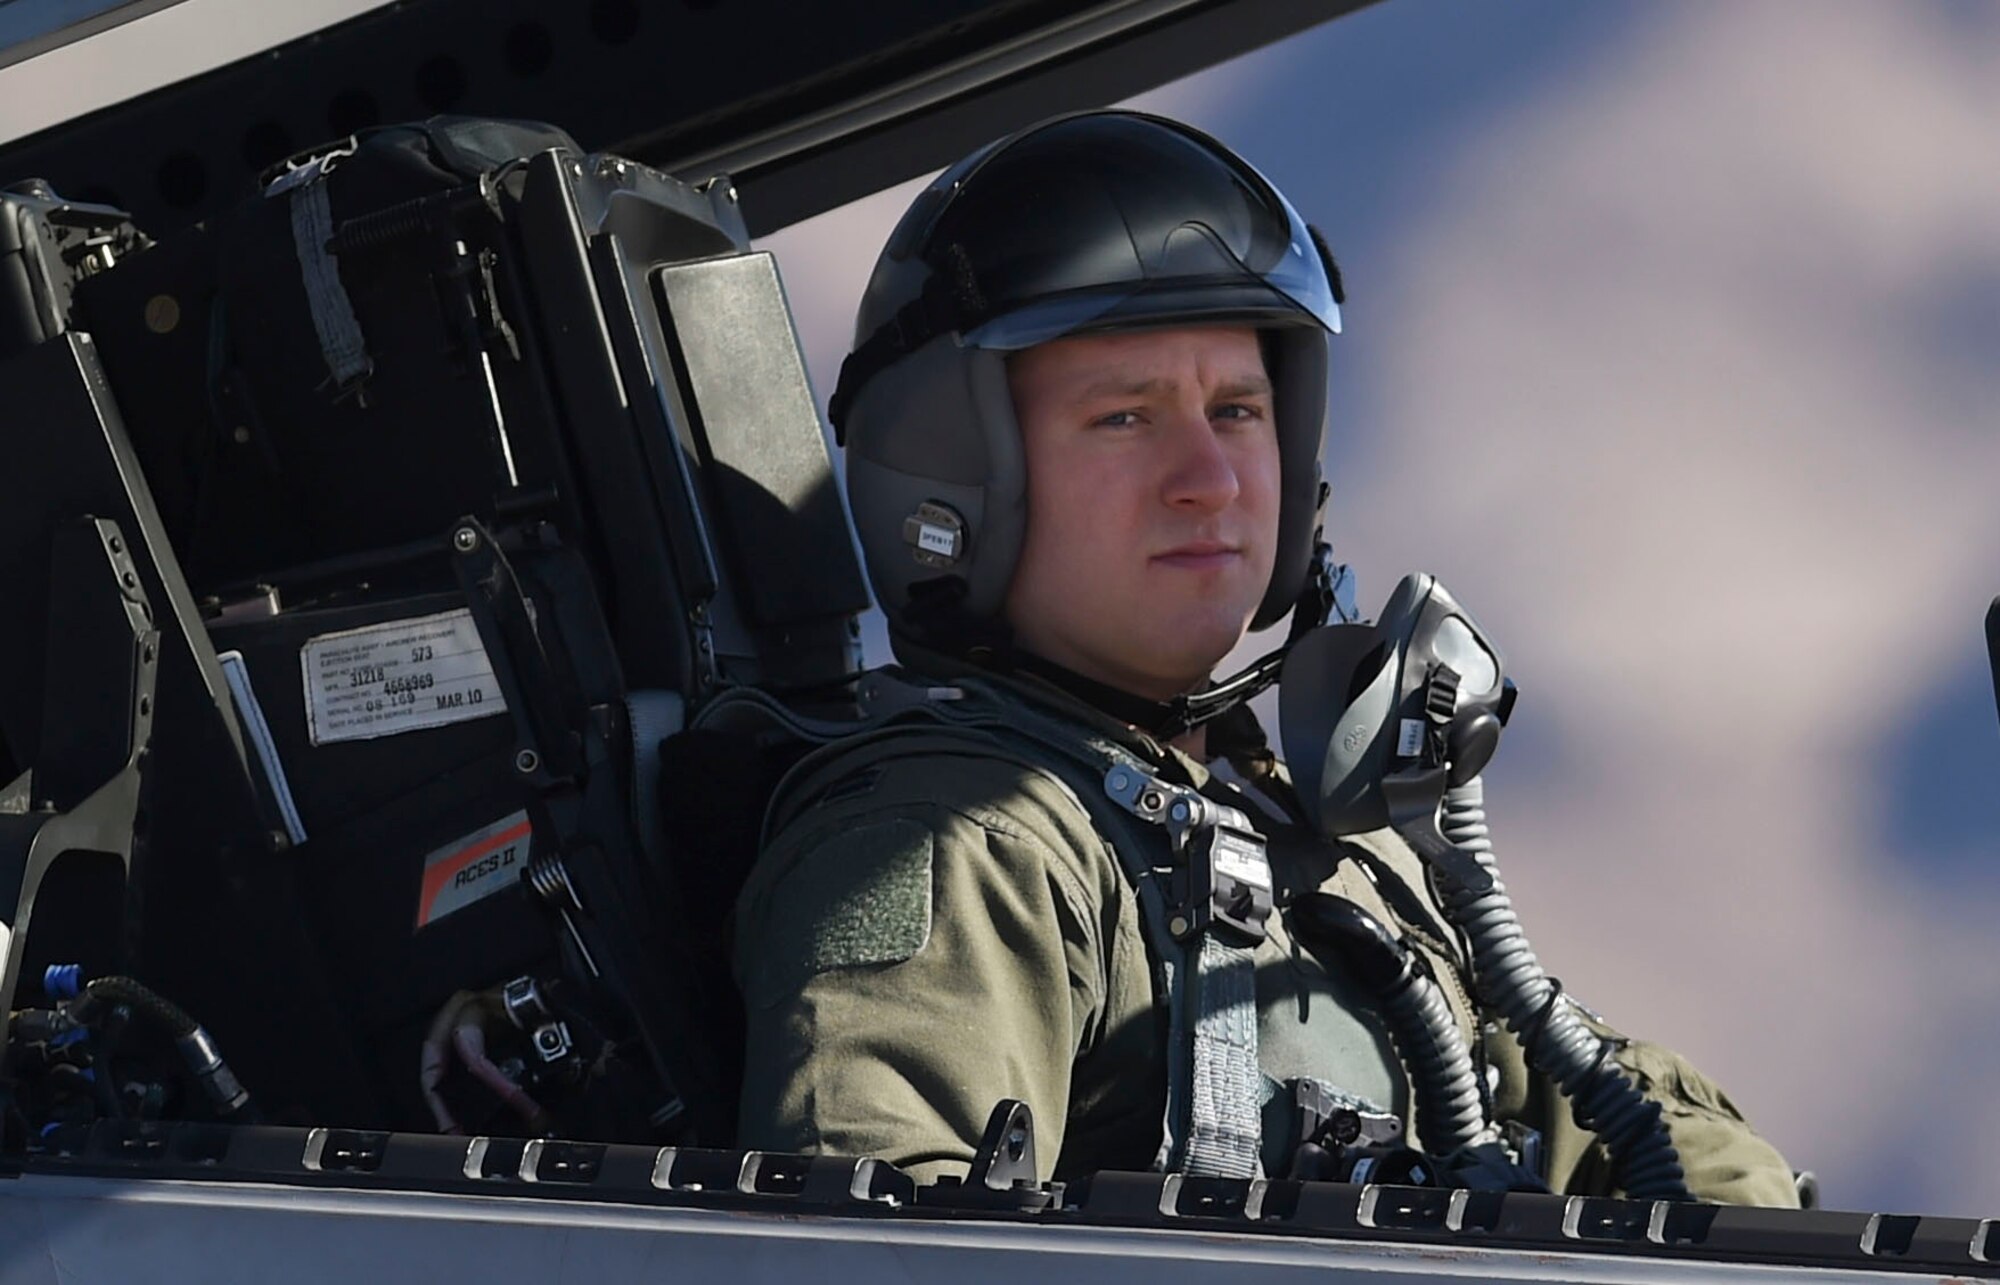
1097,57
812,105
30,27
768,462
91,1231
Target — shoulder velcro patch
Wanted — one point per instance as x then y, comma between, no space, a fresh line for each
861,897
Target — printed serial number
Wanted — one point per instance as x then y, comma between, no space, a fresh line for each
397,676
393,696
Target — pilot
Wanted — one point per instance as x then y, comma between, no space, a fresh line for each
1083,422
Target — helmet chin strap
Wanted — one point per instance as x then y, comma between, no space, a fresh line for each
1328,591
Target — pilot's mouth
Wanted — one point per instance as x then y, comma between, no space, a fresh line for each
1200,555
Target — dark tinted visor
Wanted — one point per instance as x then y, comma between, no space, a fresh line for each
1105,223
1275,299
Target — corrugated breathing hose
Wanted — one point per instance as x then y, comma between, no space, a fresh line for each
1601,1096
197,1048
1450,1113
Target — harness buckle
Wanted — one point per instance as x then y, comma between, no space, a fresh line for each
1222,882
1228,887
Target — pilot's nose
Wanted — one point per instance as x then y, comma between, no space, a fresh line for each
1200,475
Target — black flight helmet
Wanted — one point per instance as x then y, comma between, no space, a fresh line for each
1102,221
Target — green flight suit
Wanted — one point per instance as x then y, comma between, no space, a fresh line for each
932,927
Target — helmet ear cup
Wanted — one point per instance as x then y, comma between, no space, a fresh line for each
1298,383
943,432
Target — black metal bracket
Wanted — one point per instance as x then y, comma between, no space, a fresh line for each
70,854
1004,1172
547,716
1006,1155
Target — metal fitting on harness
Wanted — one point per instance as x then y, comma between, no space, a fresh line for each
530,1012
1222,882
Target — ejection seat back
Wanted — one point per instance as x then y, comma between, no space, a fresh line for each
482,458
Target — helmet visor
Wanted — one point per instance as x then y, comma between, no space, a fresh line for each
1294,290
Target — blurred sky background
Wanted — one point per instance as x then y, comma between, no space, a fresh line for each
1672,340
1673,347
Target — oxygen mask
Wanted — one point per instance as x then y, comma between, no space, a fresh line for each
1390,724
1378,720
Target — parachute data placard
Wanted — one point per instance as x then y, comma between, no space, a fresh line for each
398,676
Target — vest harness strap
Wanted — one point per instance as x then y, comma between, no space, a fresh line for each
1224,883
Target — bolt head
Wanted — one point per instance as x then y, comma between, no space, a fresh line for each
527,761
163,314
465,539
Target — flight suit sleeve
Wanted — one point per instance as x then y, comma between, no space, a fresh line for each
1723,1157
905,964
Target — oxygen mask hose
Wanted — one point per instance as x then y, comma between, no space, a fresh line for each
1393,723
1557,1042
1450,1112
229,1099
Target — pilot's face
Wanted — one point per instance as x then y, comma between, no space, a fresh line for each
1152,502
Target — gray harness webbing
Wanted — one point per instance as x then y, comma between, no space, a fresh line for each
340,341
1225,1118
1212,1022
1213,1123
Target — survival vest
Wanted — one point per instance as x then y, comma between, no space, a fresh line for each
1196,861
